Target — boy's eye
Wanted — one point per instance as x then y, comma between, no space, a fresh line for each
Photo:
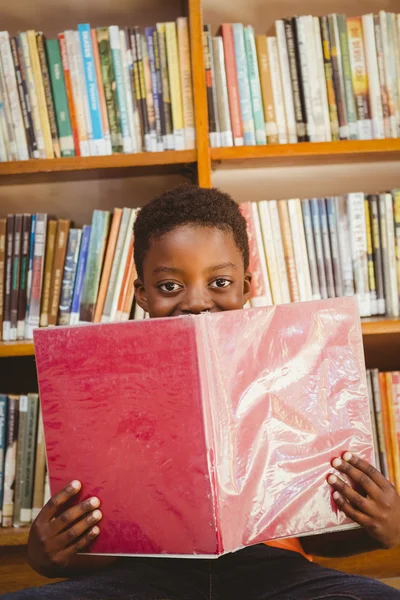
170,286
221,283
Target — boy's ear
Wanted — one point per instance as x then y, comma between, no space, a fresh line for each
247,287
140,295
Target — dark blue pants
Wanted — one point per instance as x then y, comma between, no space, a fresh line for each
256,573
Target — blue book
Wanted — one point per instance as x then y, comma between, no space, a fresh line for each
3,431
115,45
68,281
151,34
80,275
30,268
98,143
319,251
326,247
244,85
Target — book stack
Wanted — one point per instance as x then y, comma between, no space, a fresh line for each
96,92
384,396
325,248
317,79
24,486
55,274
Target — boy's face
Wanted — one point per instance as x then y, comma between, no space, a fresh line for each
192,270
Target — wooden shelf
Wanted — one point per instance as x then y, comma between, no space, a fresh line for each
354,150
20,348
14,536
79,163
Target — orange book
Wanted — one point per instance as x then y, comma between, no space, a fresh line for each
386,425
68,88
125,281
100,87
289,250
233,85
60,250
390,392
266,89
396,402
130,295
48,270
108,261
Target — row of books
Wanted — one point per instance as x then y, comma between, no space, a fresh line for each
97,91
325,248
317,79
55,274
384,396
24,485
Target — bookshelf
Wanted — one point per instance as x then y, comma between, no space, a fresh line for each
61,185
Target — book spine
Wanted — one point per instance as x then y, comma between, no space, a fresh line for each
30,272
100,88
377,254
300,256
319,250
382,78
175,85
298,92
396,209
322,80
326,248
128,266
8,279
151,113
29,460
277,89
280,252
244,86
370,259
48,96
374,87
3,235
379,424
211,83
19,463
77,92
110,91
40,469
91,283
59,93
359,77
137,114
271,126
81,78
48,268
16,268
330,87
127,309
391,30
356,212
345,246
115,45
166,93
10,461
347,77
387,64
140,85
213,127
159,86
127,249
233,84
68,280
6,118
314,66
5,154
23,96
150,32
386,426
373,420
338,77
270,253
335,250
37,274
80,275
186,81
69,93
391,249
3,433
60,250
301,38
221,87
289,250
385,253
127,70
261,291
393,443
255,86
12,91
396,402
31,96
312,258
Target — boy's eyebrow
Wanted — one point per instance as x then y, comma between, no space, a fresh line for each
166,270
222,266
163,269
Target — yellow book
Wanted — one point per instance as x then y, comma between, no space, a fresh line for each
41,98
394,445
175,85
186,82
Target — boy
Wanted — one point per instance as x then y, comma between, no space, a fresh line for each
192,256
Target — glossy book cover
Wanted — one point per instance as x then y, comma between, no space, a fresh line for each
204,434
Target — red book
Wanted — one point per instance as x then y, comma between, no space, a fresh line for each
201,435
233,85
68,88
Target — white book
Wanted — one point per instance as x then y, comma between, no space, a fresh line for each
280,252
128,94
356,212
344,130
305,76
6,119
391,249
390,83
77,94
300,254
221,86
136,115
3,140
394,53
358,66
270,253
83,92
314,80
311,254
345,253
322,79
277,89
266,299
12,92
124,258
33,98
374,88
215,136
286,81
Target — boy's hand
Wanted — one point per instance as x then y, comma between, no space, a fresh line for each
379,511
56,536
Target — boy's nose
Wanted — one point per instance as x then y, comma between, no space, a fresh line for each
196,302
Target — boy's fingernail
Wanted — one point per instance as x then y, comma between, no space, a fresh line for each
337,462
336,495
347,456
332,479
94,501
96,530
97,515
75,484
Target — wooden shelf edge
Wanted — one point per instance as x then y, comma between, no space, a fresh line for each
20,348
80,163
344,148
14,536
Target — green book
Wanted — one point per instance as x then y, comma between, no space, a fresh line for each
348,80
97,246
60,98
28,463
255,86
19,464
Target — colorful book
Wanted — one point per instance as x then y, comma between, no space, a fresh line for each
37,274
60,249
77,92
312,258
15,278
295,76
345,246
69,274
221,88
80,275
23,282
102,97
286,81
29,460
374,89
49,248
168,140
3,238
377,254
24,96
244,86
370,259
48,95
319,249
255,86
3,435
115,45
289,250
335,248
326,248
10,461
356,212
271,126
8,278
69,93
376,389
212,107
175,85
185,65
233,84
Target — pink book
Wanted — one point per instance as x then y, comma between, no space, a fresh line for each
202,435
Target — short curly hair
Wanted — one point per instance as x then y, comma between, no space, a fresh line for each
187,205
